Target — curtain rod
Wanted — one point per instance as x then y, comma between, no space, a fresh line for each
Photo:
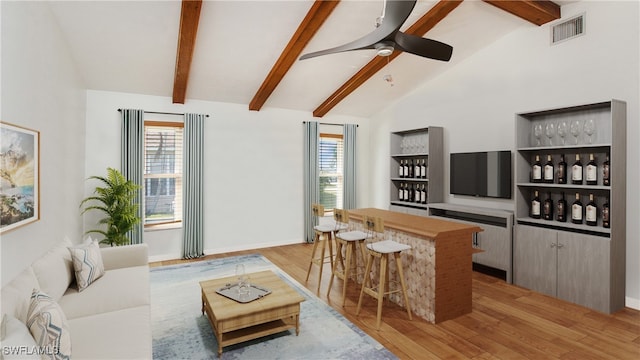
163,113
304,122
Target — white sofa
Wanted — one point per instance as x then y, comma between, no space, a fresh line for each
110,319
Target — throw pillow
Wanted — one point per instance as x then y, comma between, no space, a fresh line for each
48,326
17,342
87,264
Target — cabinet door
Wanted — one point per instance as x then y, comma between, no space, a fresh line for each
583,270
535,259
494,241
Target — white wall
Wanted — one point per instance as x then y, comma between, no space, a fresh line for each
477,100
253,174
41,90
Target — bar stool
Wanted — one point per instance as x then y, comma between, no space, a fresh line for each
323,235
350,240
382,250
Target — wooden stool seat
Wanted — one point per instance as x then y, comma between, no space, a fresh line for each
323,235
382,250
350,241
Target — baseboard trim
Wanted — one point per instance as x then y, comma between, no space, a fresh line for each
164,257
632,303
167,257
252,246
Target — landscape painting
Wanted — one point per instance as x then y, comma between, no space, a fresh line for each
19,176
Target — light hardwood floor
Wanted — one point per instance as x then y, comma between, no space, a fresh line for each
507,322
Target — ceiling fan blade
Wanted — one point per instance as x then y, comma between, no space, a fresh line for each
396,13
423,47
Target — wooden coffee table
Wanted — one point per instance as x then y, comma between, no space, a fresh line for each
235,322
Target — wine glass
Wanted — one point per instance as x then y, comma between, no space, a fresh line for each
243,280
537,132
562,130
550,131
575,129
589,128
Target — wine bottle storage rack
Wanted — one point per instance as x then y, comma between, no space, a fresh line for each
600,197
574,247
600,143
600,154
411,146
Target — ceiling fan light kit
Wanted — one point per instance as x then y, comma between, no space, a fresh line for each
384,49
387,37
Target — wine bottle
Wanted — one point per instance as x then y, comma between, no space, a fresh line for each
417,170
423,195
606,215
548,170
536,171
562,171
562,210
606,181
400,193
416,194
592,212
547,208
535,206
576,210
592,171
401,169
410,167
406,168
576,171
406,192
423,169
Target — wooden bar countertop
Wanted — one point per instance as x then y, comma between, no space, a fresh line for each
428,227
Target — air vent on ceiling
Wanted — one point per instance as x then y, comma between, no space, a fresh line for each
568,29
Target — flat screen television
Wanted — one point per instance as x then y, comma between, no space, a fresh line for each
481,174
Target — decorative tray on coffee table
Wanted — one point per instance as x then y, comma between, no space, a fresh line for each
255,292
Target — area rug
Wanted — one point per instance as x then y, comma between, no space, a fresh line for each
180,331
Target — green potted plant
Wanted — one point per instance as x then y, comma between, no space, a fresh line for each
115,199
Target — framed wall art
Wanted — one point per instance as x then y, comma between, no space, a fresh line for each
19,176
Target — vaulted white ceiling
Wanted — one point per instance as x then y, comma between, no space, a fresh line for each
130,46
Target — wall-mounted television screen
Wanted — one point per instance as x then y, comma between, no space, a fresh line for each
482,174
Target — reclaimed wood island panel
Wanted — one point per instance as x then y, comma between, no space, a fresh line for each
438,268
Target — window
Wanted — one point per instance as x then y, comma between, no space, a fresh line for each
162,172
331,167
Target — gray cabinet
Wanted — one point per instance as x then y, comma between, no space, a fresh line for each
495,240
535,259
577,262
408,147
570,266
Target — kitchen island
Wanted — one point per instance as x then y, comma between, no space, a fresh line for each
438,267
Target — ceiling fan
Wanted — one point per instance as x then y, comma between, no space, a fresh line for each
387,36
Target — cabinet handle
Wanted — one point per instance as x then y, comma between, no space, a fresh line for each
553,245
560,246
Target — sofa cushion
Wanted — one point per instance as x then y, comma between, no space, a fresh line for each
16,294
87,264
54,270
117,289
48,325
123,334
17,342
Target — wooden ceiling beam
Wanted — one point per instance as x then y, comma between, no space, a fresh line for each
319,12
538,12
419,28
189,18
